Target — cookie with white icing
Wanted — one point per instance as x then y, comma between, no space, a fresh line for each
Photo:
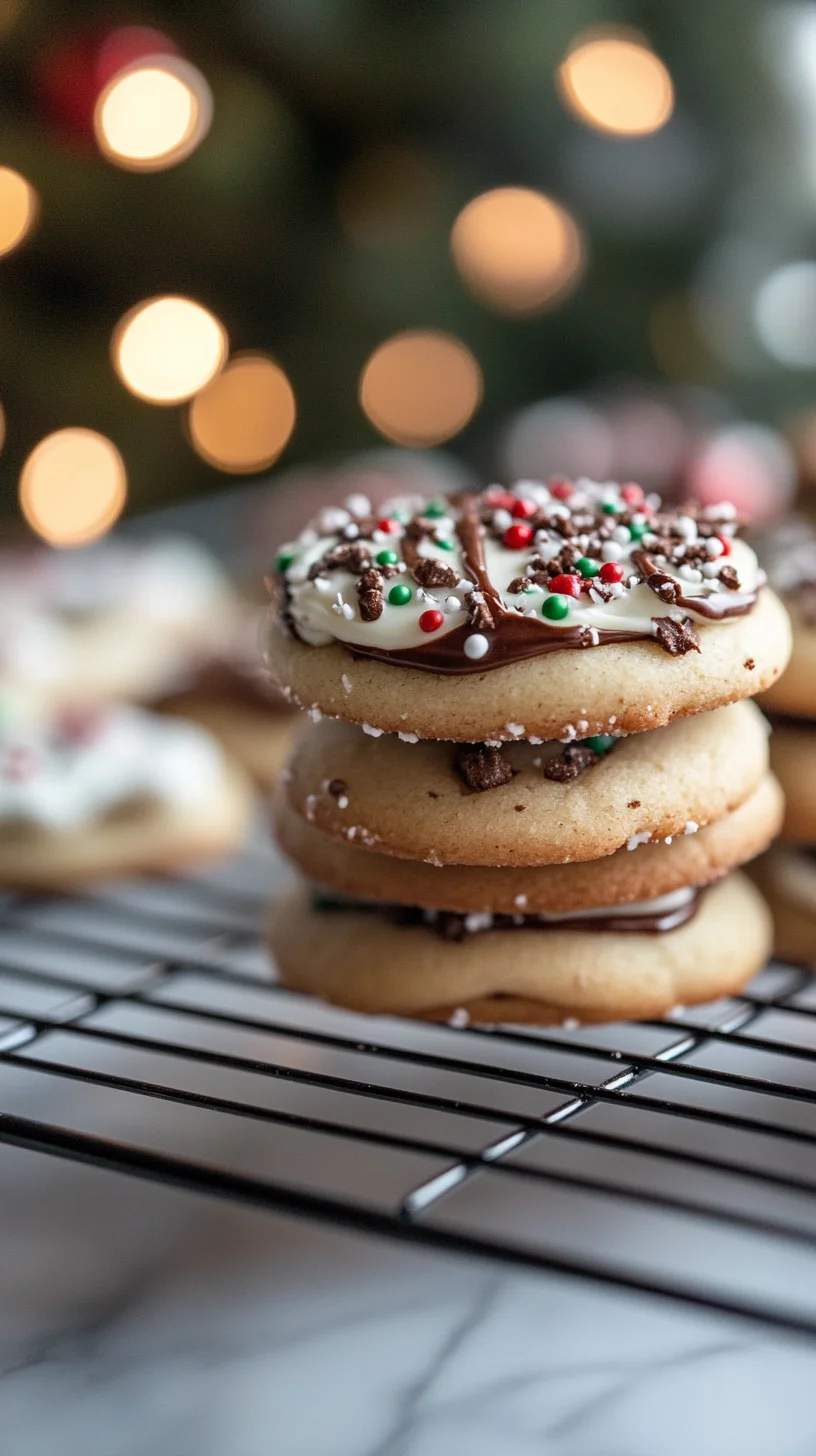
117,619
85,795
654,869
522,613
634,962
788,553
525,804
787,878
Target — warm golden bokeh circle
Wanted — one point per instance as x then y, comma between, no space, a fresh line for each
18,209
167,349
516,249
153,114
421,387
242,420
616,83
73,487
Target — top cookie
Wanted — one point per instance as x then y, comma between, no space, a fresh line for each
788,552
471,617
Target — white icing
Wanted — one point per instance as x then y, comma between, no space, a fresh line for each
61,781
321,616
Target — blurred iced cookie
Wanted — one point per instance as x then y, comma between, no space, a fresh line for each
637,960
118,619
788,552
547,611
87,795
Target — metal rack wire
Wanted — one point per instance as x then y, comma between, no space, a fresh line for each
140,1031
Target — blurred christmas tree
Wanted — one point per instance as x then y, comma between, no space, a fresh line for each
562,204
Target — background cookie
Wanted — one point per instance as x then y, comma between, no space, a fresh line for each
369,964
795,691
651,869
408,800
621,688
258,739
146,837
787,880
793,758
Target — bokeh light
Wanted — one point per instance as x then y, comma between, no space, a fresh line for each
153,114
420,387
387,195
18,209
516,249
785,314
167,349
748,464
560,436
73,487
243,419
614,82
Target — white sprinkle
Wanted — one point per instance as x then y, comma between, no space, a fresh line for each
342,801
308,537
613,719
351,831
459,1018
348,612
520,902
615,588
570,1023
322,585
690,827
315,713
690,573
724,511
464,588
476,646
611,551
711,569
686,527
537,763
639,518
493,742
650,539
380,537
621,535
532,739
311,805
668,839
582,725
331,519
346,681
569,733
297,574
714,547
478,920
351,532
359,505
636,839
372,732
502,519
516,730
596,596
560,511
408,737
452,604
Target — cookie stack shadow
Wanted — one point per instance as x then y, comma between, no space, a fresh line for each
519,844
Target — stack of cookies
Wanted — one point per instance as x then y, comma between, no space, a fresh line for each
788,874
529,778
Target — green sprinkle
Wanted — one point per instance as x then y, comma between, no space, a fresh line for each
587,566
400,595
400,515
445,545
610,508
285,559
555,607
435,508
387,558
638,530
601,743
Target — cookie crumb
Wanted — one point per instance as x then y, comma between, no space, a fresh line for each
749,663
432,794
520,808
520,902
372,732
676,638
569,763
633,804
408,737
690,826
459,1018
481,766
635,840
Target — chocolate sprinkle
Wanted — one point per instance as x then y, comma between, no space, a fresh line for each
676,638
430,572
570,762
482,767
729,578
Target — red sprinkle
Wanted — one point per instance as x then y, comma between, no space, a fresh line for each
516,538
500,500
725,542
431,621
561,489
610,571
632,494
386,524
567,586
524,508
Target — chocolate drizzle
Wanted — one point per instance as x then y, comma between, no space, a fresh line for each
714,608
451,926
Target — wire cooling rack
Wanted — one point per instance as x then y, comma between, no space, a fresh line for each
140,1031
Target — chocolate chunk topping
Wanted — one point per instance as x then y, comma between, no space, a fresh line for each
371,605
352,555
663,586
676,638
429,572
518,584
729,578
749,663
633,804
482,767
479,613
571,761
587,637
